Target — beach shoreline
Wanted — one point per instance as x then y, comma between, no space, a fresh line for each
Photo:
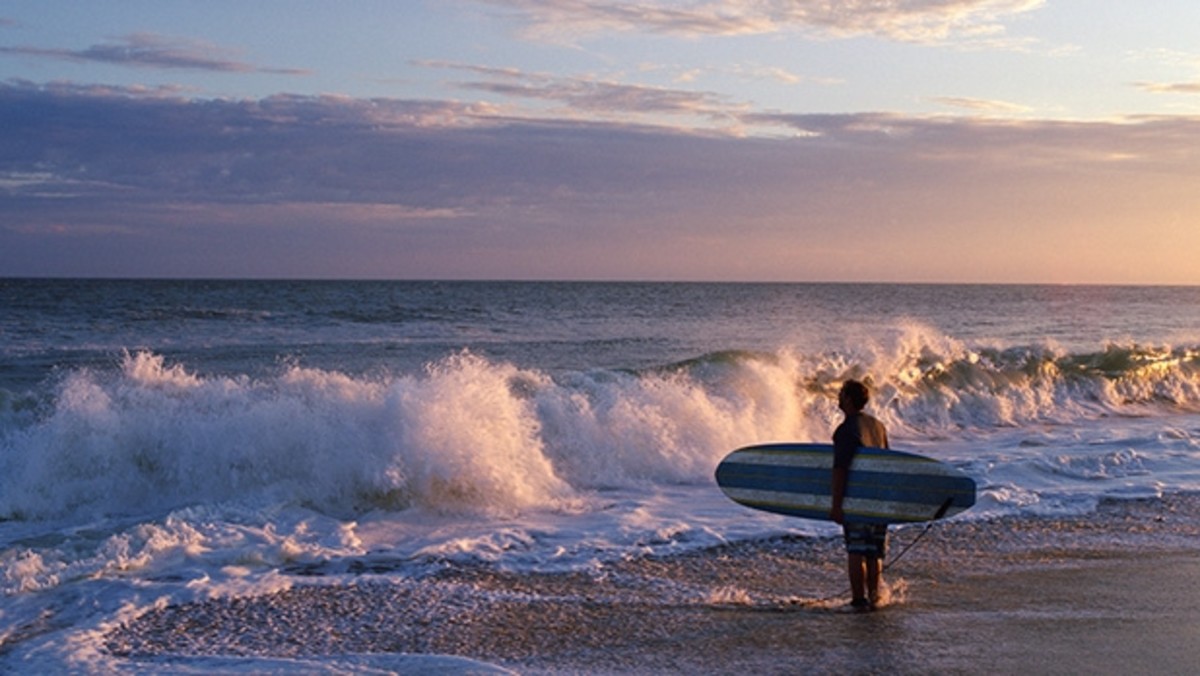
1112,591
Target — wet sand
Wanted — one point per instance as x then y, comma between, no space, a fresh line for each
1114,592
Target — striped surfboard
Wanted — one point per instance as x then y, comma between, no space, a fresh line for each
883,487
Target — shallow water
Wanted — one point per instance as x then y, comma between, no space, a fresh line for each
1085,594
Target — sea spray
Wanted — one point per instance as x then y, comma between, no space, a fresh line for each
154,437
472,434
669,425
463,436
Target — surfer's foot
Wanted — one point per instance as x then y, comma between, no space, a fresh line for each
862,605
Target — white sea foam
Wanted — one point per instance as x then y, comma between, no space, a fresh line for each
472,435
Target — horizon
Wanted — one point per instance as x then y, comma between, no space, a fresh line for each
448,280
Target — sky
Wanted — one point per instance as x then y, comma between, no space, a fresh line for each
945,141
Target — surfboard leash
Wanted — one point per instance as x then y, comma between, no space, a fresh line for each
929,526
941,512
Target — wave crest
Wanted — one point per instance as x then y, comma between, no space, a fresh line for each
477,436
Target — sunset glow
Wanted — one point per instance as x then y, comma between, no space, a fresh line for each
976,141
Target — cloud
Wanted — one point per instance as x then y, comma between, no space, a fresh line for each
148,50
934,143
337,186
277,215
745,71
1169,87
986,106
448,158
904,20
1173,59
768,73
1162,56
596,96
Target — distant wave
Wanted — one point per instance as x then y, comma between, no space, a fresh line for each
474,435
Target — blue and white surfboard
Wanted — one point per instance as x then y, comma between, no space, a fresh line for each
883,486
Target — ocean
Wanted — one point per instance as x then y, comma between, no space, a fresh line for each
170,444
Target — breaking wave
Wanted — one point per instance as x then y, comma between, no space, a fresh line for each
473,435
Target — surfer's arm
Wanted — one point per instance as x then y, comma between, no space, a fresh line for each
838,491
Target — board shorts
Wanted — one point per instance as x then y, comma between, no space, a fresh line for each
867,539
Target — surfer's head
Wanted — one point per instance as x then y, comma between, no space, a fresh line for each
853,396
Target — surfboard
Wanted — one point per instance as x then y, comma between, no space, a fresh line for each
883,486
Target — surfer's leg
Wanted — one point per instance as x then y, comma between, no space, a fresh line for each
857,567
874,577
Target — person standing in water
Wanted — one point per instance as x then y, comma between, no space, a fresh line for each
866,544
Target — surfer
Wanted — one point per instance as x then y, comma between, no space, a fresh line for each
866,544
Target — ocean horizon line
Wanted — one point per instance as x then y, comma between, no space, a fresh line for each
589,281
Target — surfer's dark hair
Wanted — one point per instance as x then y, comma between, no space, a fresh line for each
858,393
